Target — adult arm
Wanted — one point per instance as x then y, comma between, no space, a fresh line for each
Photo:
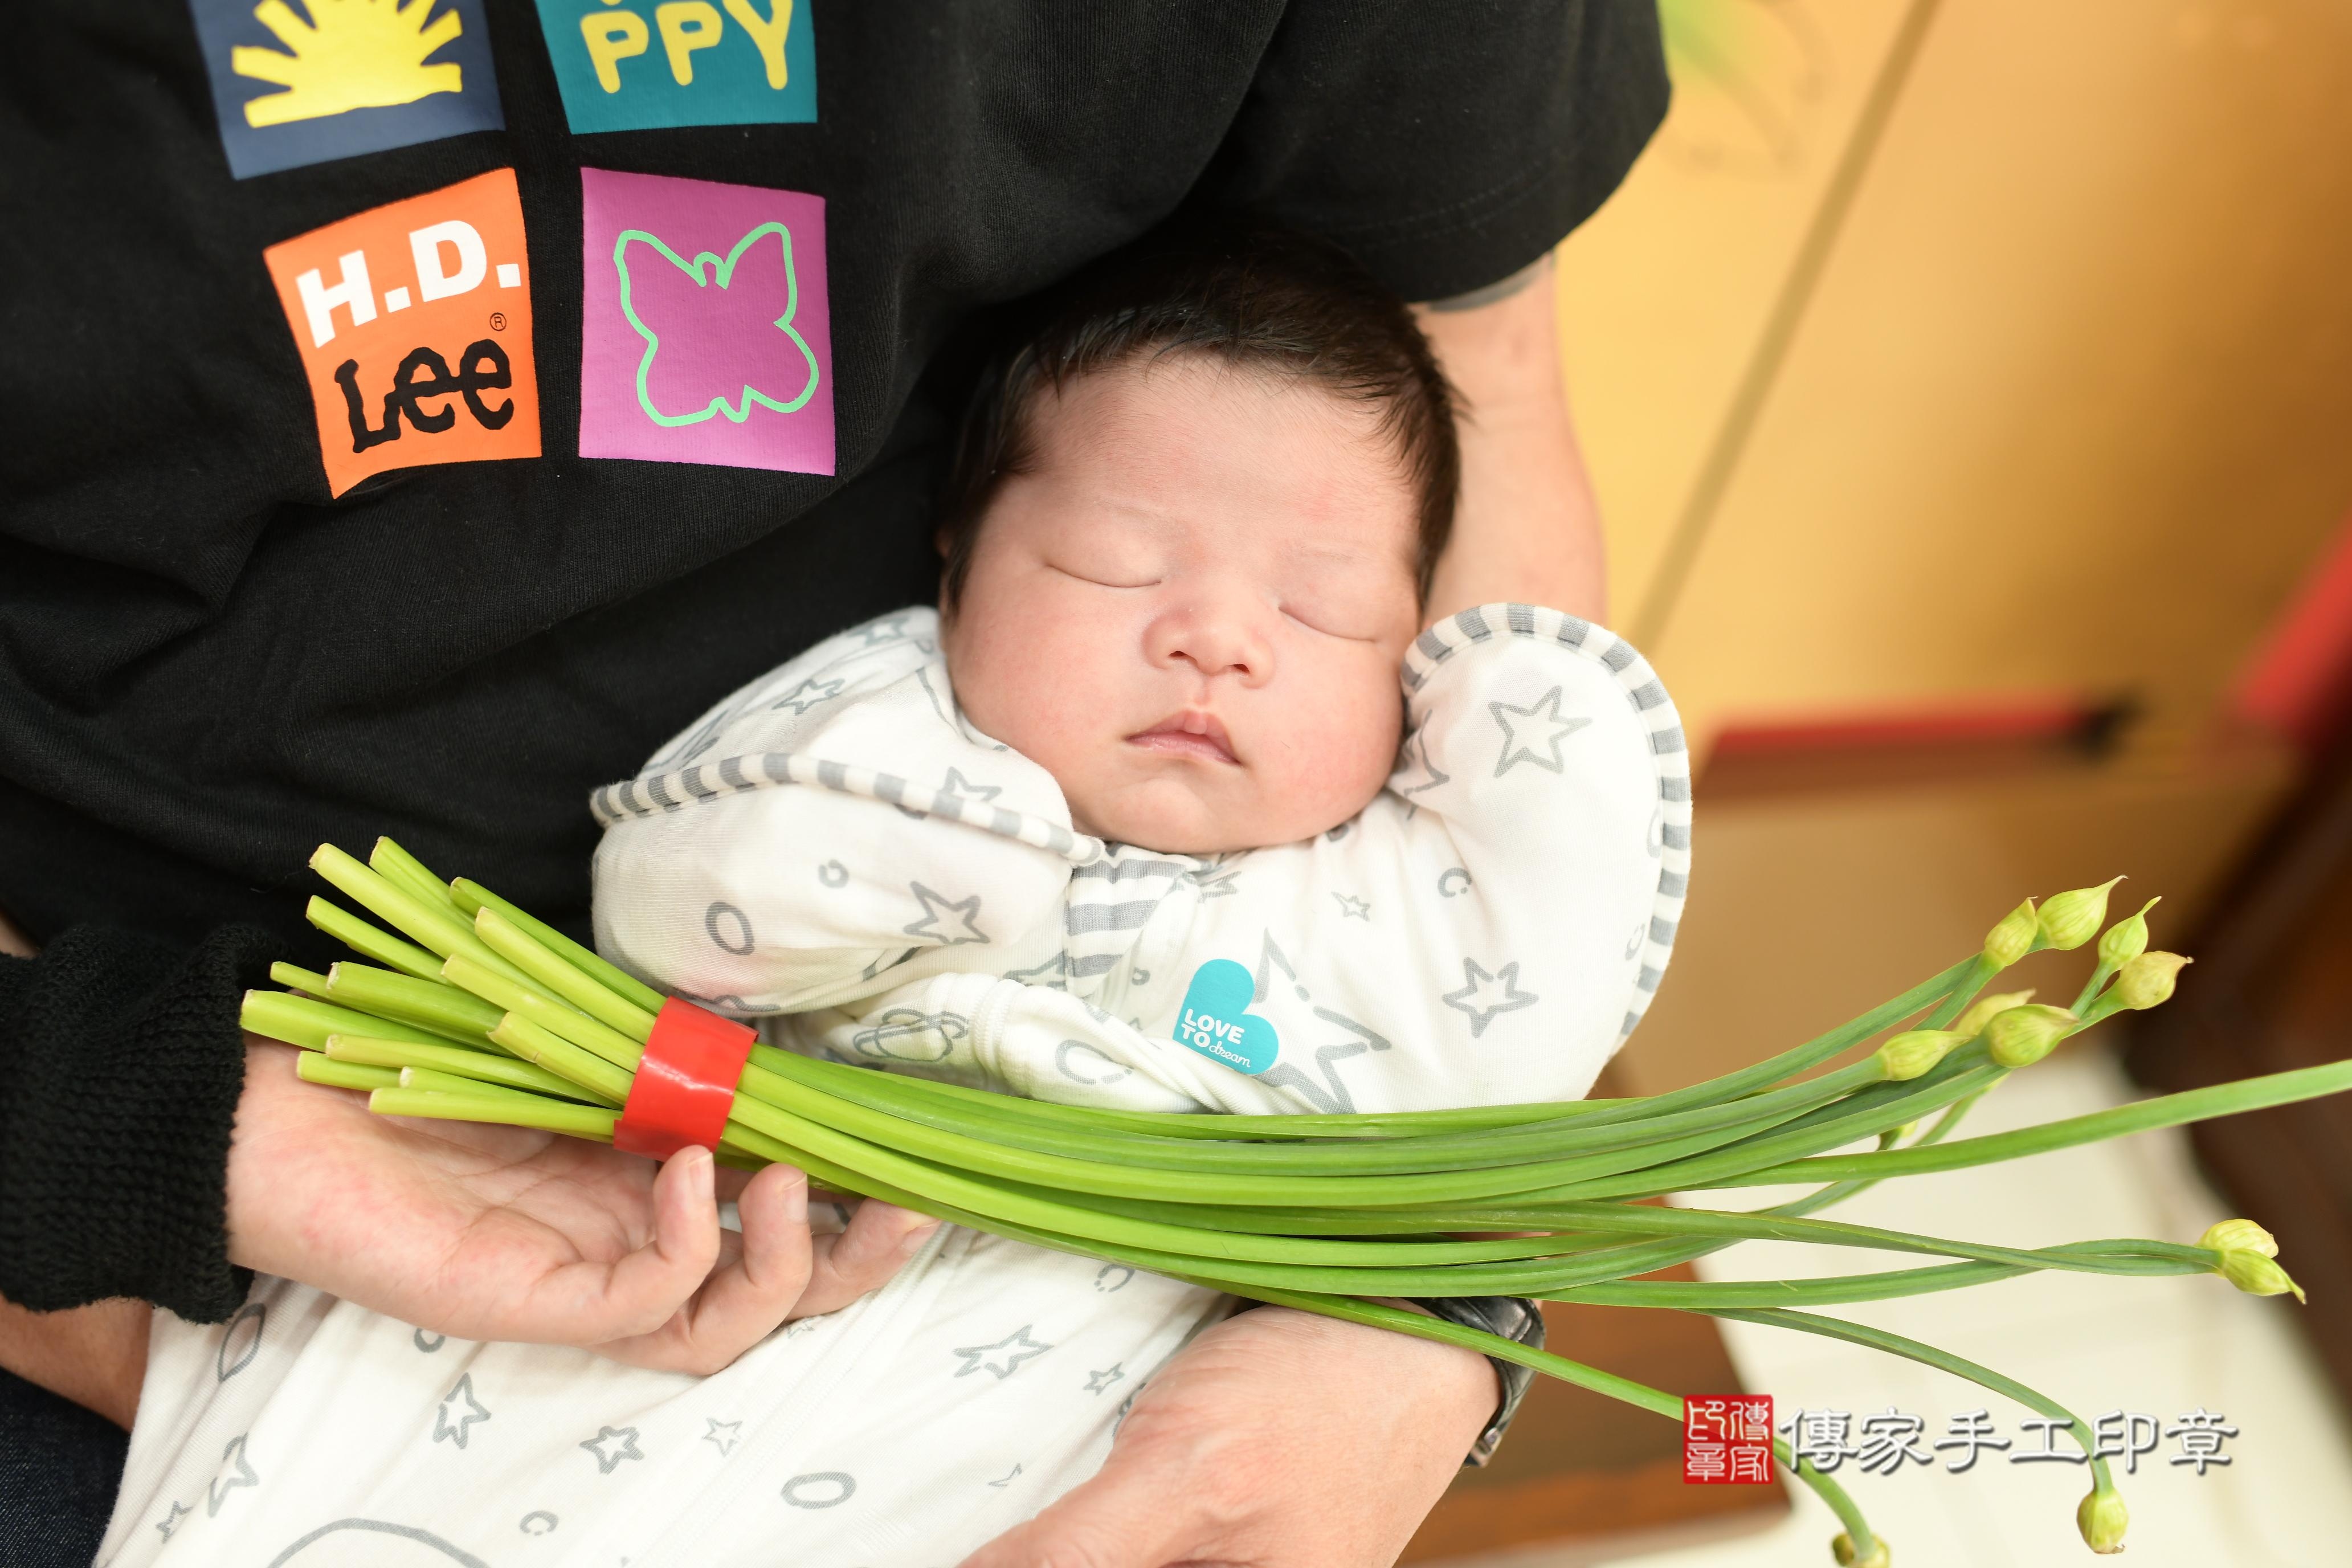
1276,1439
1527,527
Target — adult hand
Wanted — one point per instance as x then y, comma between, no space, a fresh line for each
1276,1439
497,1233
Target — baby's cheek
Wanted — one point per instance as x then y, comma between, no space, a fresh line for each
1345,757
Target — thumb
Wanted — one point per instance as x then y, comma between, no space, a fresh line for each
1127,1516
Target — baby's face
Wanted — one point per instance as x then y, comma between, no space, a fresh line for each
1192,608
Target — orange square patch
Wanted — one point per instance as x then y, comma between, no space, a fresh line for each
414,323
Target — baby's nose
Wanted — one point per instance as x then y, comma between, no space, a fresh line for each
1214,639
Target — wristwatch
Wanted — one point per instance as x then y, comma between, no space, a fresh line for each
1512,1317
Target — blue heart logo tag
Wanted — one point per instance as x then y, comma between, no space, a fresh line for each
1216,1020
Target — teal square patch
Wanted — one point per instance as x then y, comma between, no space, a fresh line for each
639,65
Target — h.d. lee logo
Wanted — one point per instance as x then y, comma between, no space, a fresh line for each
414,324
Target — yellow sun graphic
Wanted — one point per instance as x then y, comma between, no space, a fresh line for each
351,54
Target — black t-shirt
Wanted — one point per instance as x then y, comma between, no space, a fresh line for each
238,618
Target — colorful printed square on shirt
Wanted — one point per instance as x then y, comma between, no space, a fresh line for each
302,81
414,323
704,333
636,65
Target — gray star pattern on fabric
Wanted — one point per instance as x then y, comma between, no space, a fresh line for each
538,1522
1215,882
1051,973
233,1473
1099,1381
170,1521
607,1462
959,787
935,906
1415,753
723,1435
1003,1357
429,1343
1007,1478
881,632
807,695
1484,995
469,1410
1105,1284
1537,737
1352,908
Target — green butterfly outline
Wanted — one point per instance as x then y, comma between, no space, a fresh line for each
696,269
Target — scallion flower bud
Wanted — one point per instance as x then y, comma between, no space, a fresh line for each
2128,938
1913,1053
2239,1236
2147,981
2013,937
1987,1008
2257,1274
1842,1550
2068,920
2101,1518
2023,1035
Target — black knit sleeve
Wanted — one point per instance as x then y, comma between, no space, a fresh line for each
120,1066
1446,143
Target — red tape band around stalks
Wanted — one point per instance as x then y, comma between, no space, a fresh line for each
686,1083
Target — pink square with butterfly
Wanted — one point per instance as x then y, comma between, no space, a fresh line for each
704,327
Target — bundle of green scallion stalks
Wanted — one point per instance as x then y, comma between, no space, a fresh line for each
475,1011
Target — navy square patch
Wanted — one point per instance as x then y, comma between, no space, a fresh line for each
303,82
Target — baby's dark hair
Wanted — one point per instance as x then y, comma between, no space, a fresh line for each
1259,298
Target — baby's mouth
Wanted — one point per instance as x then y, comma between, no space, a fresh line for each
1188,734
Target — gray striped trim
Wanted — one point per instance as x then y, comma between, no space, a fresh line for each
1632,1021
1081,918
1650,975
1473,626
1674,788
1521,618
1649,695
1120,870
1673,884
1676,835
1662,931
680,789
1668,740
1618,655
1431,646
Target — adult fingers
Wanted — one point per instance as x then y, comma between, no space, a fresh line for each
589,1303
744,1300
880,1238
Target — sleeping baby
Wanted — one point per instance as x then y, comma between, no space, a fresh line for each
1138,818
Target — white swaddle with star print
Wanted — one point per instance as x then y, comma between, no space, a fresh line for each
835,853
